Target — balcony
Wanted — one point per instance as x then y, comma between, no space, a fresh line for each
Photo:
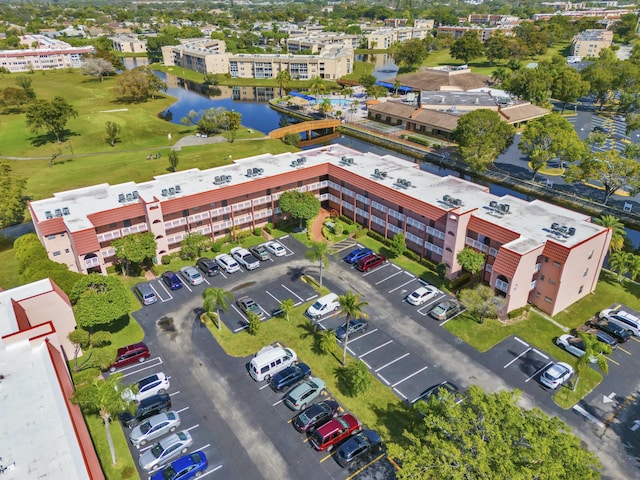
502,286
106,236
108,252
140,227
198,217
178,222
477,245
91,262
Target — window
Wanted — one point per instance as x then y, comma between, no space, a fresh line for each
542,278
113,225
127,223
50,237
537,294
590,255
548,299
552,281
556,264
56,253
580,289
586,271
66,250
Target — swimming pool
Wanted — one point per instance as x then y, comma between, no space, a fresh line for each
335,101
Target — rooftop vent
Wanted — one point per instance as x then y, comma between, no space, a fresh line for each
299,161
58,212
347,160
178,189
48,215
493,204
172,191
65,211
129,197
121,197
504,207
165,192
249,172
135,194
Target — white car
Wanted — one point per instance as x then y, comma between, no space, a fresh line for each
557,374
227,263
245,258
275,248
574,345
422,294
191,275
147,387
154,427
165,450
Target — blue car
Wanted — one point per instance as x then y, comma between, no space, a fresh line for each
289,376
172,280
189,466
357,254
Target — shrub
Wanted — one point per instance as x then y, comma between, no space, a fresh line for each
326,233
257,231
346,220
254,323
419,140
436,146
522,311
441,269
166,259
338,228
128,472
376,236
462,280
361,232
217,245
411,255
268,228
354,379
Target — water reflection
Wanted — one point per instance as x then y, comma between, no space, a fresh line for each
383,65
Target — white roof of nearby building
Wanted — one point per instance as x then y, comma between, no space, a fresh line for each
7,315
37,438
531,219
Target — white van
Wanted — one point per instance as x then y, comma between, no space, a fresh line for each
627,320
270,360
323,306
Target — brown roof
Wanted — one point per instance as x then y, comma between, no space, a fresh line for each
435,80
441,120
394,108
522,112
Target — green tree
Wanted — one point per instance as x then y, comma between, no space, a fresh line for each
367,80
471,260
82,339
317,85
50,115
253,323
138,85
550,137
232,120
325,106
490,436
500,74
190,118
634,266
25,83
301,205
325,341
467,47
283,78
193,245
497,47
482,302
215,299
398,245
411,53
97,67
98,301
594,349
620,263
135,248
633,122
354,379
568,86
14,200
14,99
603,76
352,307
608,168
291,138
482,136
532,84
377,91
174,159
318,253
618,231
103,397
113,132
286,307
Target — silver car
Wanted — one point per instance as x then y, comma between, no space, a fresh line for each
165,450
191,275
154,427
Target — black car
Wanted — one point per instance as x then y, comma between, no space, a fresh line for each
315,415
446,386
604,338
147,408
362,445
355,326
208,266
289,376
612,329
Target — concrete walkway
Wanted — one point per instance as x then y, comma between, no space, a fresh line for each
316,228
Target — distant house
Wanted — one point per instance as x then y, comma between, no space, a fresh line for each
590,42
129,44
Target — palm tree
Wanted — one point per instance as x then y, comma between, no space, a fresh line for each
283,78
396,85
594,348
619,262
500,74
286,306
326,342
634,265
215,299
317,85
103,397
318,253
617,231
325,106
351,305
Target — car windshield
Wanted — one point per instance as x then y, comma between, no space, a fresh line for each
157,450
317,305
145,427
343,422
168,473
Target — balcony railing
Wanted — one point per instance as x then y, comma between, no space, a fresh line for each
92,262
477,245
106,236
178,222
502,286
140,227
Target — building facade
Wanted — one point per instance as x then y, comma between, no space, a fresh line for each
484,33
385,37
204,56
44,53
590,42
129,44
535,252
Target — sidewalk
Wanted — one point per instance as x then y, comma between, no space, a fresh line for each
318,222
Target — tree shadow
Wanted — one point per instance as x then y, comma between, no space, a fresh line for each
47,138
295,273
116,325
396,418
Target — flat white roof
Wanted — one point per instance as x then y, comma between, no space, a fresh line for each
532,220
37,439
8,322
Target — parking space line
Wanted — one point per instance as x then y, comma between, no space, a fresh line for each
174,393
244,327
377,269
182,410
448,320
209,472
521,341
400,393
587,415
146,367
363,361
273,296
365,466
384,379
625,351
387,278
377,348
391,362
191,428
634,338
187,286
406,283
202,448
292,292
159,296
537,371
424,310
546,357
518,357
611,360
361,336
264,386
311,298
327,457
412,375
205,280
278,402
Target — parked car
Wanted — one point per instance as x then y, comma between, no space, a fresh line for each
315,415
172,280
305,393
191,275
422,295
557,374
208,266
628,320
612,329
603,337
328,435
372,261
445,310
275,248
574,345
357,254
245,258
147,408
136,353
289,376
227,263
261,253
154,427
362,445
437,390
166,449
184,468
355,326
323,306
148,386
247,304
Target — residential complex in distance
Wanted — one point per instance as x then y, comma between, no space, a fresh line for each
44,53
590,42
43,434
535,251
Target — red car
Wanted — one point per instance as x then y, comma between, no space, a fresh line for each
138,352
372,261
328,435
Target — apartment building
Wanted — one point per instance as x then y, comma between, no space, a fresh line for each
204,56
44,434
590,42
315,43
535,252
385,37
43,53
129,44
484,33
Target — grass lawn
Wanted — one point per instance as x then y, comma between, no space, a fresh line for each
125,467
9,277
